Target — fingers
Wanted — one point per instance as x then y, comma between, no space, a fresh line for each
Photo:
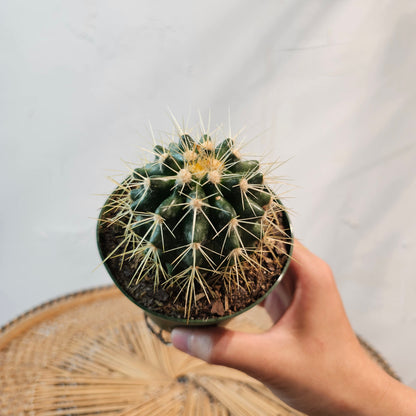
246,351
220,346
307,279
305,264
279,300
281,297
308,272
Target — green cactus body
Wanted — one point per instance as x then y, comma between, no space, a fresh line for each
196,212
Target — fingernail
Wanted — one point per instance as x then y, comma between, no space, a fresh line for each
180,339
196,344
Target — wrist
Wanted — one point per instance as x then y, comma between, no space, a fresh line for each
372,391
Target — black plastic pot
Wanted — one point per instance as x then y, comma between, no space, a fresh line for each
167,322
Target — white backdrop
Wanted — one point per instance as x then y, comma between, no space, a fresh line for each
328,86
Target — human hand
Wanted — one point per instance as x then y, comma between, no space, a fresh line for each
310,358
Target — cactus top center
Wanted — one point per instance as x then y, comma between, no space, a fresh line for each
206,165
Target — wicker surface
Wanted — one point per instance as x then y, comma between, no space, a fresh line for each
91,353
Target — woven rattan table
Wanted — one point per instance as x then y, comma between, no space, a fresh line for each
91,353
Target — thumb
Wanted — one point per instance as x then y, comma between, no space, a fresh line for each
221,346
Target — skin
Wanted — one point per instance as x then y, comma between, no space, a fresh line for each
310,358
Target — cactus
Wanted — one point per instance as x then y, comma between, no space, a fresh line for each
197,213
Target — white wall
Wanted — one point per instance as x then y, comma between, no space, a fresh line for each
327,85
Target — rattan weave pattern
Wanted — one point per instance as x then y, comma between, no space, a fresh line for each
91,353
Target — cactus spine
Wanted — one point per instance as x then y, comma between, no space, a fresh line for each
195,214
